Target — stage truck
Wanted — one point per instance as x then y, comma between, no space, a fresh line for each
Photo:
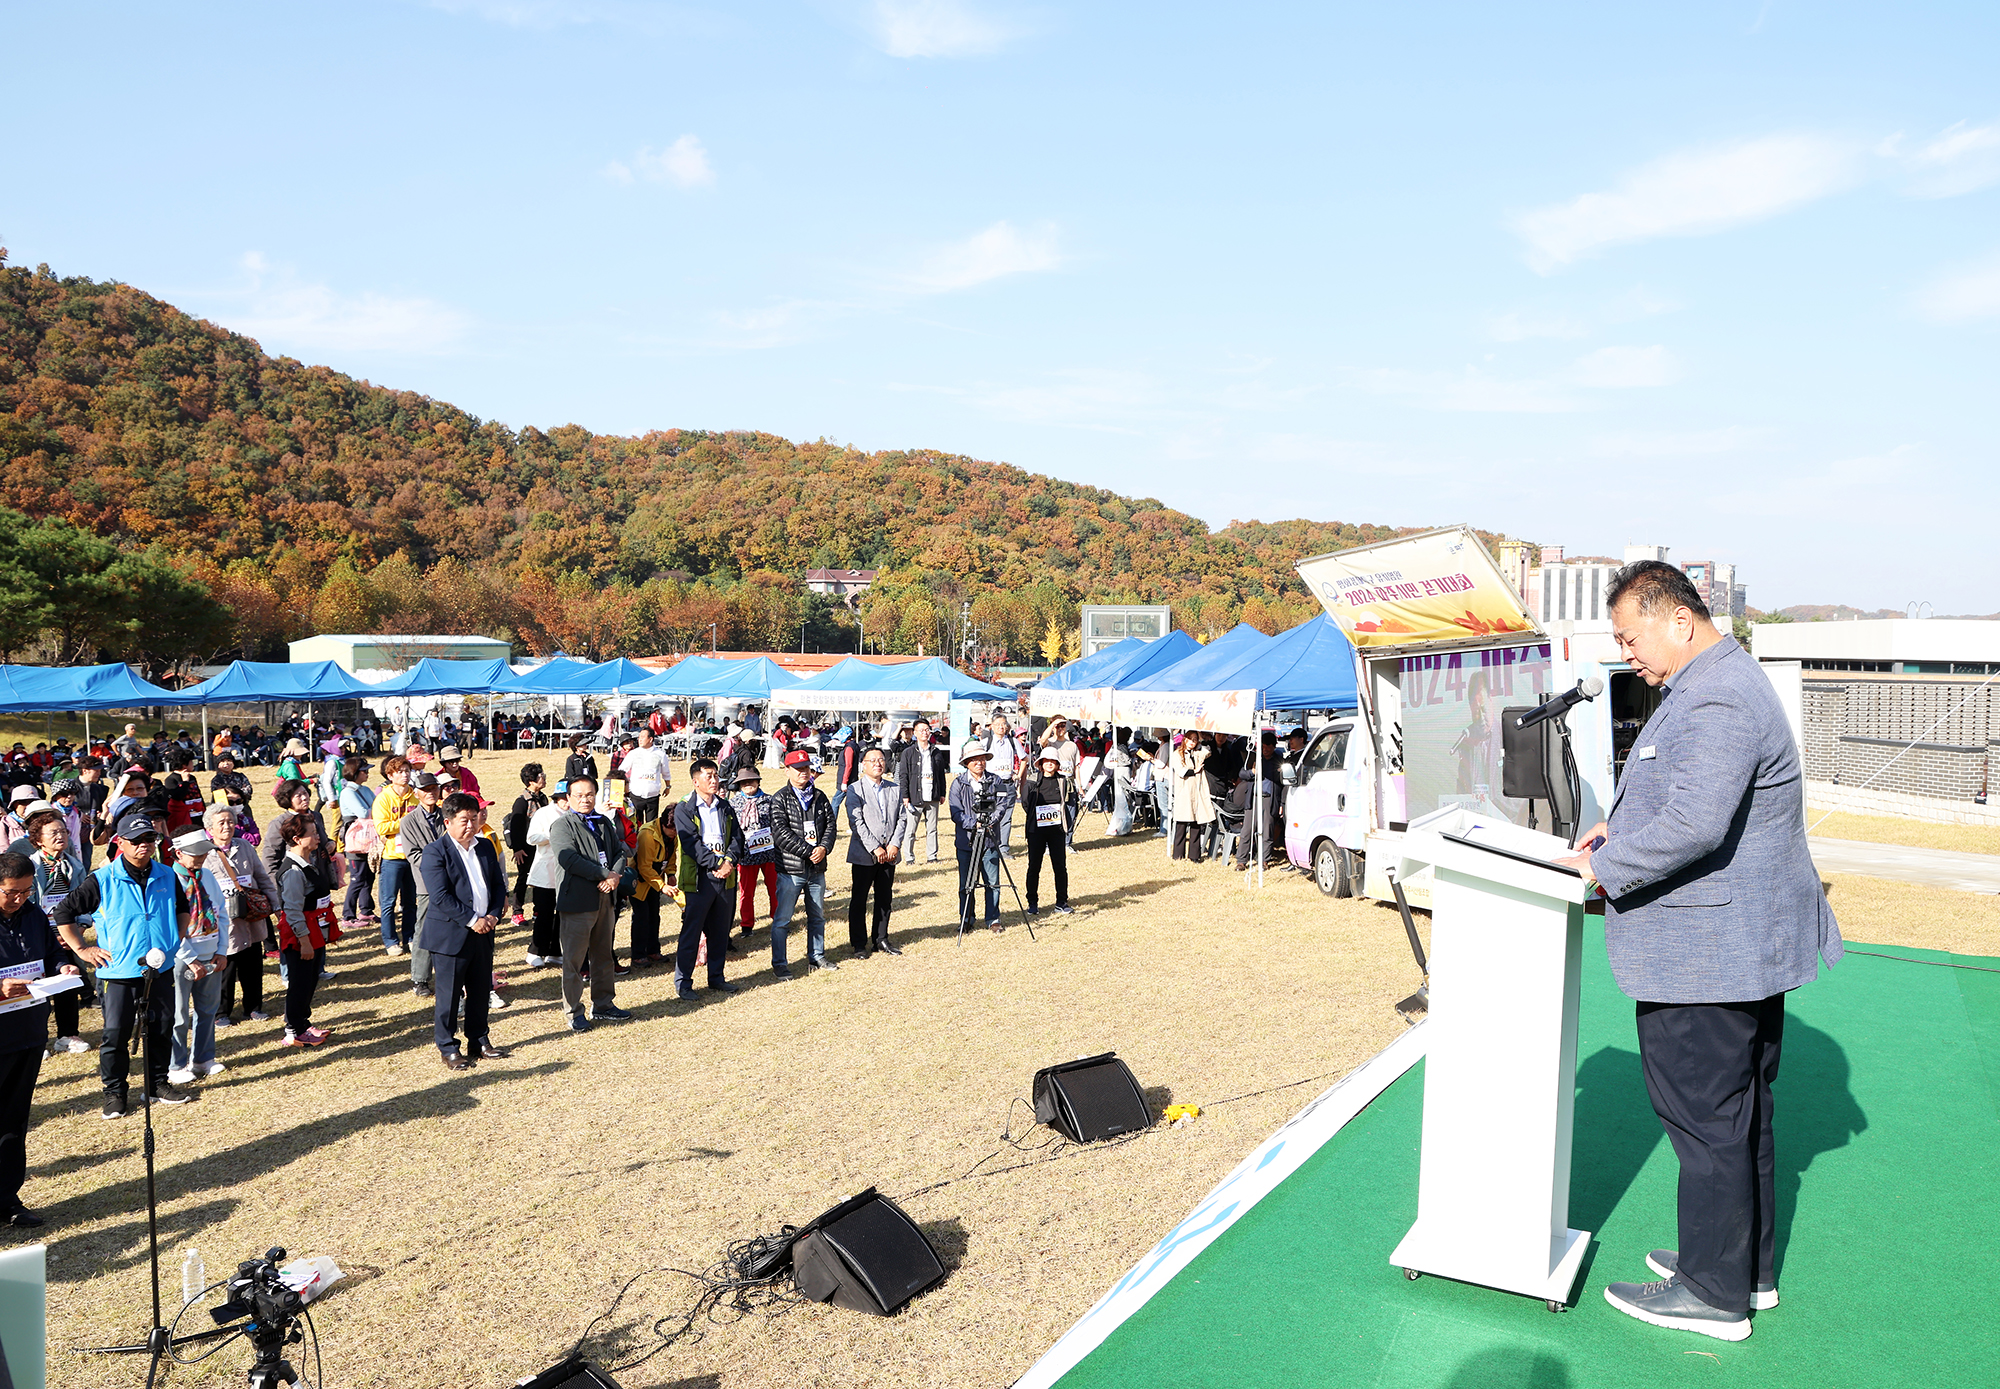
1448,660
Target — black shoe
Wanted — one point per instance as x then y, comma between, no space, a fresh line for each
454,1061
25,1219
1066,909
862,954
892,949
1033,910
608,1012
424,990
824,964
114,1107
169,1093
1673,1305
685,992
783,972
725,987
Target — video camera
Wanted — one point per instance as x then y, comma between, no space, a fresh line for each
257,1292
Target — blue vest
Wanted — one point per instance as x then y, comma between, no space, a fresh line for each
134,918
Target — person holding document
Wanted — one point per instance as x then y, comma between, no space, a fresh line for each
29,950
1713,912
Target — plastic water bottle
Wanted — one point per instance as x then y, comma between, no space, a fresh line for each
193,1278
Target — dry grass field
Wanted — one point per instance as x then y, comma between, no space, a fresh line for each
484,1219
1915,834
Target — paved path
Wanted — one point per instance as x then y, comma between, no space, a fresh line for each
1938,867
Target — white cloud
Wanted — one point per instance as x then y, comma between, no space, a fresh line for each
935,29
1000,250
1962,159
1695,443
684,163
1625,368
1973,292
1692,193
288,314
1473,392
1519,327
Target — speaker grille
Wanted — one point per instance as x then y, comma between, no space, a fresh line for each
886,1252
1102,1100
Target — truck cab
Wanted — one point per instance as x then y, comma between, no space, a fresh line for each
1327,797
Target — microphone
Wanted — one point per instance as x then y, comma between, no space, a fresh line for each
1586,689
156,959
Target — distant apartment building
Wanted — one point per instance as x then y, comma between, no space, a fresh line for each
1558,588
844,584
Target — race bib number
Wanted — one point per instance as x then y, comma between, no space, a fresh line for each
324,903
1048,816
602,860
757,840
52,900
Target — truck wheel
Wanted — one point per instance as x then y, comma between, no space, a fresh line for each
1350,874
1330,873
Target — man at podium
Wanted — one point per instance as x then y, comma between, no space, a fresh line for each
1714,910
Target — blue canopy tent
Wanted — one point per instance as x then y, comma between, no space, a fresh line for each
1087,694
1197,671
1309,667
930,684
710,677
246,681
558,675
83,688
434,677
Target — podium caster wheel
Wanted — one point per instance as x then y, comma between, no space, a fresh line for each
1555,1306
1412,1274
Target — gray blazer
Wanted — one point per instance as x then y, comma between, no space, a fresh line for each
1713,897
575,849
871,828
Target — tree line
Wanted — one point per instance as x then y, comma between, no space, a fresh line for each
301,500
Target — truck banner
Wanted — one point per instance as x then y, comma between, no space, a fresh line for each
1441,586
1451,725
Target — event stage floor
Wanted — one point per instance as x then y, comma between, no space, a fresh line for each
1888,1126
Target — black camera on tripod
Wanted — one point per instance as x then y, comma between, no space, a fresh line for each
257,1292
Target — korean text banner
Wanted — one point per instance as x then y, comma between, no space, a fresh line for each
1436,587
1211,711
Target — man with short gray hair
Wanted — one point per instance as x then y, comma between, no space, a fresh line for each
1713,912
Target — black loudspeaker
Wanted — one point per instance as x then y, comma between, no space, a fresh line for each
573,1373
865,1255
1089,1099
1525,754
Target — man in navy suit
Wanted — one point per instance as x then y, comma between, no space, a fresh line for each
468,891
1713,911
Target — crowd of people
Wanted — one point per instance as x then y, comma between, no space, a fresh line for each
405,846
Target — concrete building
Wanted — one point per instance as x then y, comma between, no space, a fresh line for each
1902,716
1571,590
1716,583
377,652
845,584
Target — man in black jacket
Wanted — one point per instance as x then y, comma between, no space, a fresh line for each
711,844
467,890
923,774
28,949
803,826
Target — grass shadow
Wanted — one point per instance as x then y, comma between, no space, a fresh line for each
949,1240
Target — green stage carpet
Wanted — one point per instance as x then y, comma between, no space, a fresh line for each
1888,1124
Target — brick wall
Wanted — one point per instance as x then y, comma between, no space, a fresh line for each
1856,733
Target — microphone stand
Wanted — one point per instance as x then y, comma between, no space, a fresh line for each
156,1337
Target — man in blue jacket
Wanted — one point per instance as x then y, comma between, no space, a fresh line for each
468,890
137,906
1713,911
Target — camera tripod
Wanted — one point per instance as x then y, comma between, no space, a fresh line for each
982,835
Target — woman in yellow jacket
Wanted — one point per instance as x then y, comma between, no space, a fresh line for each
396,890
654,863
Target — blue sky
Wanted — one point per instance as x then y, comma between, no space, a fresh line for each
1724,277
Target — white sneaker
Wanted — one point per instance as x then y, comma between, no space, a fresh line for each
181,1076
494,1001
73,1044
328,972
213,1068
393,950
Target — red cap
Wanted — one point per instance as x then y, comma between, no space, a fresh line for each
798,757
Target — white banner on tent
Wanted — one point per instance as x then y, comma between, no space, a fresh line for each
1211,711
930,700
1068,703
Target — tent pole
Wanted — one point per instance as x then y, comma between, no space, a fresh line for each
204,740
1263,849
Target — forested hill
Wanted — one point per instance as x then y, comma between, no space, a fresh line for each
311,501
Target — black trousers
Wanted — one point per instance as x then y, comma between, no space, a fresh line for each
521,898
468,977
246,967
545,931
1709,1068
122,1022
18,1070
646,926
880,878
1050,841
643,808
707,913
1188,839
301,978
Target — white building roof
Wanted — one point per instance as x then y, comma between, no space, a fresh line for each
1877,639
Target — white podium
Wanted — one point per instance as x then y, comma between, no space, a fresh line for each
1500,1067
